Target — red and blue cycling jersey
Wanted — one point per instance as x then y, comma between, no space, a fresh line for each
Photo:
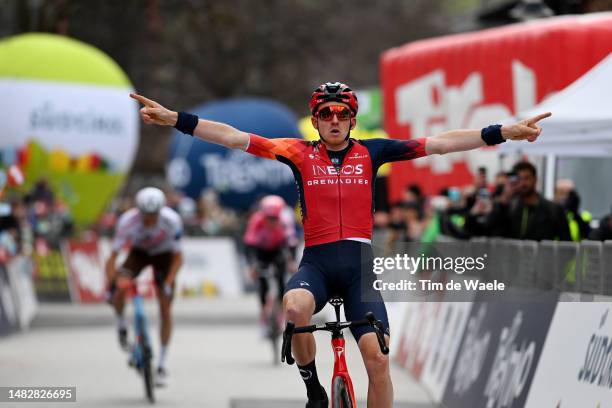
336,202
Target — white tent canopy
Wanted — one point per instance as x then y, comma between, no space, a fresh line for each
581,124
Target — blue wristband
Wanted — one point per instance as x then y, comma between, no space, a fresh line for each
186,123
492,135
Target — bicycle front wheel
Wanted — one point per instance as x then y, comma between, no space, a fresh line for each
147,369
275,330
341,396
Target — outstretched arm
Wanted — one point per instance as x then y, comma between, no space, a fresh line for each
468,139
155,114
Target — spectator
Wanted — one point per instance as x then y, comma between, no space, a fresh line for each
500,181
41,192
520,212
413,196
452,220
567,197
604,231
214,219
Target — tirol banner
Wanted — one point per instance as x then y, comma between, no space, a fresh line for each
67,118
575,369
239,178
464,81
500,349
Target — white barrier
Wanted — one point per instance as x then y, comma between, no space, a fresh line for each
210,267
20,277
575,369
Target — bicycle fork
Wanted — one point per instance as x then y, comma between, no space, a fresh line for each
340,368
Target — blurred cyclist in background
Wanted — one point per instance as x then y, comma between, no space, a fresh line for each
270,240
335,177
152,233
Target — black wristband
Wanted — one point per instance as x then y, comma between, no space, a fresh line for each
492,135
186,123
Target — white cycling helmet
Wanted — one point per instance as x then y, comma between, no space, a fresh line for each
150,200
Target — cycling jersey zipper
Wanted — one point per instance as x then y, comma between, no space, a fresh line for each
340,203
339,171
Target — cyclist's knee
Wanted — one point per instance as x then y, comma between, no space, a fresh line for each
377,364
377,367
299,305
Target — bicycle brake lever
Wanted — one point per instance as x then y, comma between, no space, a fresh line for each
286,347
378,329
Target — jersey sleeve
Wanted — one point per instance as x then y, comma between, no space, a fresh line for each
177,231
389,150
283,149
121,231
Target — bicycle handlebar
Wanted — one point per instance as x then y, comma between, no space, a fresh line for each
370,320
378,326
286,348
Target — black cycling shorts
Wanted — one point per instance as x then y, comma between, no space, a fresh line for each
335,269
138,259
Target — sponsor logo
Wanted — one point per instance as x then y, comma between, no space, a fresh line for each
81,120
346,170
339,351
306,374
358,156
226,172
430,105
472,353
511,367
336,181
347,174
302,283
597,366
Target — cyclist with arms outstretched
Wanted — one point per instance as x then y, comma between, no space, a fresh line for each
335,177
152,232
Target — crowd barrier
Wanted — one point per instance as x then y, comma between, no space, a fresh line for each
584,267
18,302
523,347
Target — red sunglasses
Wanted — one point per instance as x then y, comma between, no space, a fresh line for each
328,112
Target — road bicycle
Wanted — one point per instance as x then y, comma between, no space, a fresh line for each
141,353
273,308
343,395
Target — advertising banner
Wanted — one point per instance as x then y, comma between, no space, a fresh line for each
450,82
238,177
86,270
500,350
575,369
416,336
450,325
210,268
68,120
